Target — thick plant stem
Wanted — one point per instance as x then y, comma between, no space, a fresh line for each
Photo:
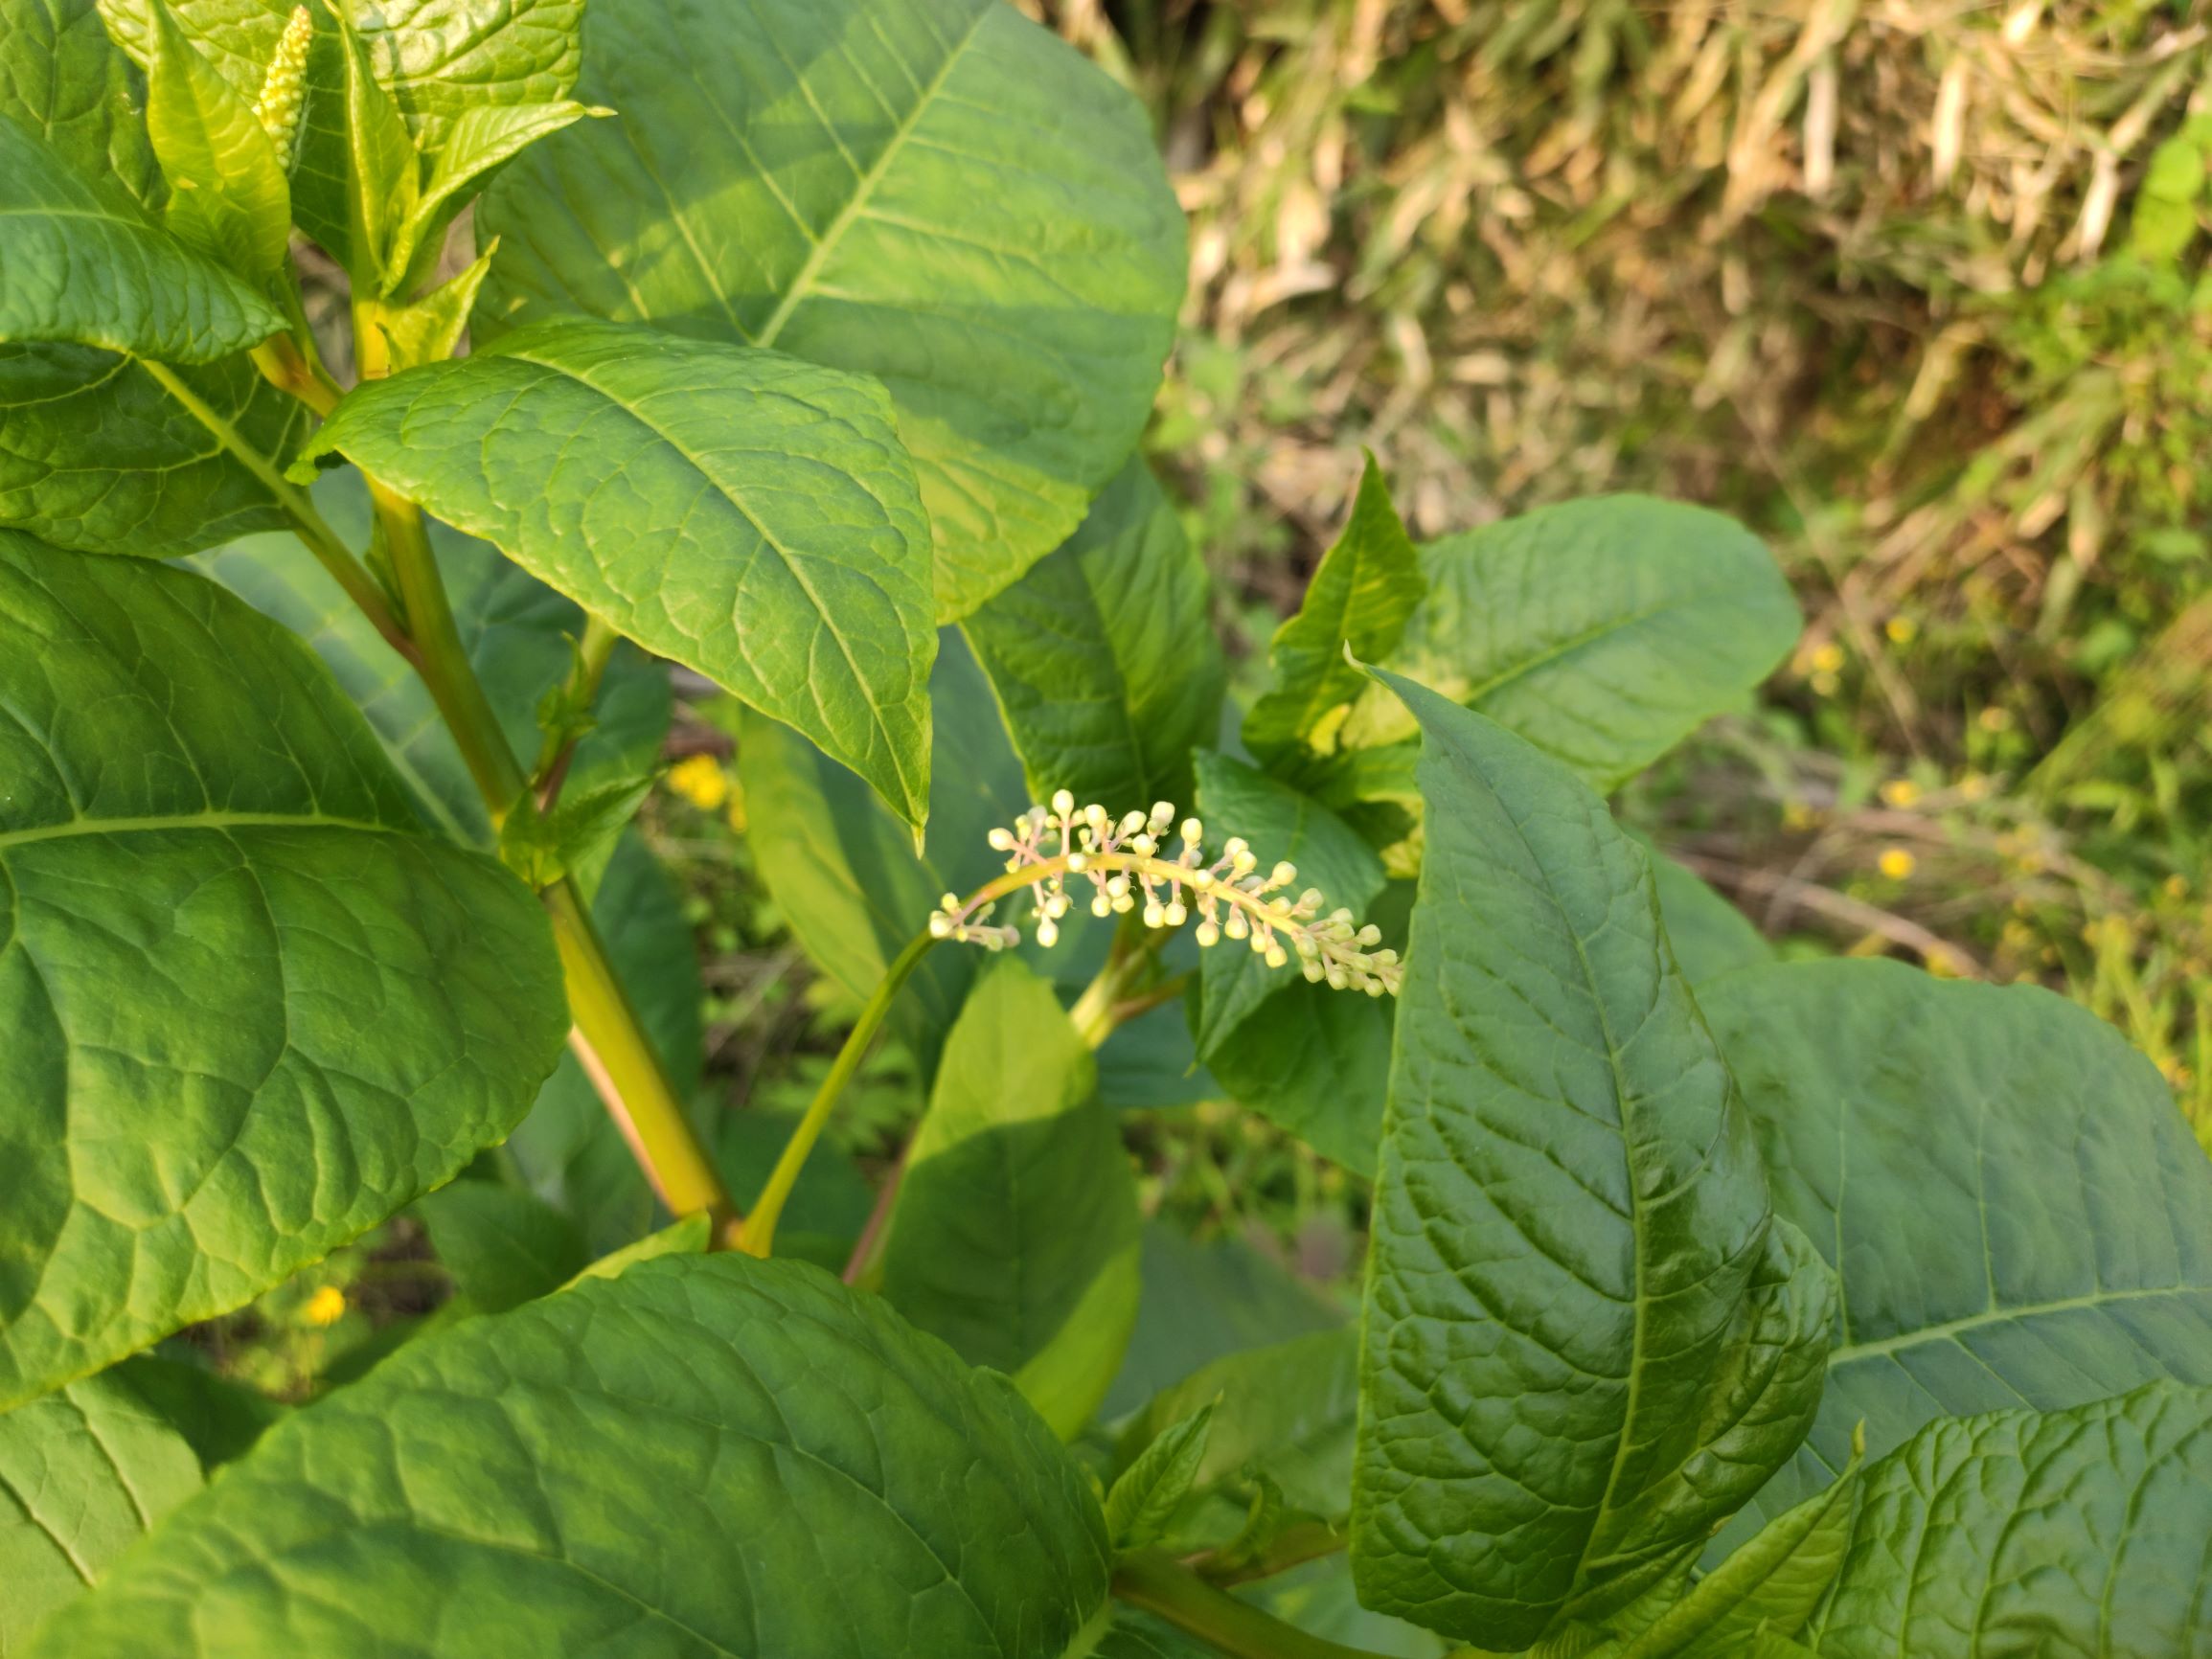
758,1235
610,1040
1163,1586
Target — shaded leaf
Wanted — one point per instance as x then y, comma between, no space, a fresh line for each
1587,1341
503,1247
1316,1062
1014,1238
384,172
220,1419
1104,656
940,195
2016,1210
209,870
504,1487
1710,936
751,516
1146,1493
2072,1532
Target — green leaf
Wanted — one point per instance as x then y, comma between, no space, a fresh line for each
482,139
1603,631
229,197
1365,588
96,455
211,872
383,170
1146,1493
1103,658
940,195
81,263
1201,1301
2016,1213
576,838
693,1236
1014,1238
1288,1410
503,1247
445,59
1587,1340
64,80
1316,1062
844,1488
1773,1583
1710,936
2071,1532
220,1419
1135,1635
1280,824
751,516
84,1473
429,329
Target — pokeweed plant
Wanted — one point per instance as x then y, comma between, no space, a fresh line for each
1714,1305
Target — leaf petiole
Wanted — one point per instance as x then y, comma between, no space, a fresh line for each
1164,1587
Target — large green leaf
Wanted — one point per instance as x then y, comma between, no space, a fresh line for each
1282,824
2026,1532
841,1488
1710,936
1104,656
747,514
1366,586
83,1474
1316,1062
1016,1232
939,194
2016,1213
503,1246
63,80
96,454
1587,1339
229,197
79,261
251,1013
1603,631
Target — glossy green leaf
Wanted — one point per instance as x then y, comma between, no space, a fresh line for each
384,172
1710,936
483,139
940,194
503,1247
1280,824
83,1474
1587,1339
95,453
2072,1532
752,516
1288,1410
1773,1583
1016,1162
429,329
843,1487
1146,1493
1104,656
1603,631
444,58
211,872
1366,586
2016,1210
81,263
693,1236
229,198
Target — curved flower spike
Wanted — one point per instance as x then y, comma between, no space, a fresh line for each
1126,864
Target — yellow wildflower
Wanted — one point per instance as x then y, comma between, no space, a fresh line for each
1897,863
1900,629
1900,792
327,1306
1828,659
700,779
1994,719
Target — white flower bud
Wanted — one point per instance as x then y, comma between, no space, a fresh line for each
1155,916
1123,905
1163,815
1194,831
1282,876
1276,957
1311,968
1001,840
1062,803
1077,863
940,927
1177,914
1132,822
1375,988
1208,935
1368,937
1236,926
1143,846
950,901
1102,905
1047,934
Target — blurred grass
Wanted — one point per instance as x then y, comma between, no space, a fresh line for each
1915,289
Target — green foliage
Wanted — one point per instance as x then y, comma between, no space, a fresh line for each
1687,1267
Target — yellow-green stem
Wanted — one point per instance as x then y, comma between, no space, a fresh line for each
1163,1586
758,1235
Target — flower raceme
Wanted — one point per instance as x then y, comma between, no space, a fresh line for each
1126,864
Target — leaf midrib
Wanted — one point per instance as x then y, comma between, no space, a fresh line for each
152,822
1953,1328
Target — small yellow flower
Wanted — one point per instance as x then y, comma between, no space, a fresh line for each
699,778
1825,685
1900,629
1900,792
1943,964
1994,719
1897,863
327,1306
1828,659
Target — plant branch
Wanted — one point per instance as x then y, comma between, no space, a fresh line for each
758,1235
1163,1586
578,693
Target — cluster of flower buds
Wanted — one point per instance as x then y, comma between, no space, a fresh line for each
284,89
1127,867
